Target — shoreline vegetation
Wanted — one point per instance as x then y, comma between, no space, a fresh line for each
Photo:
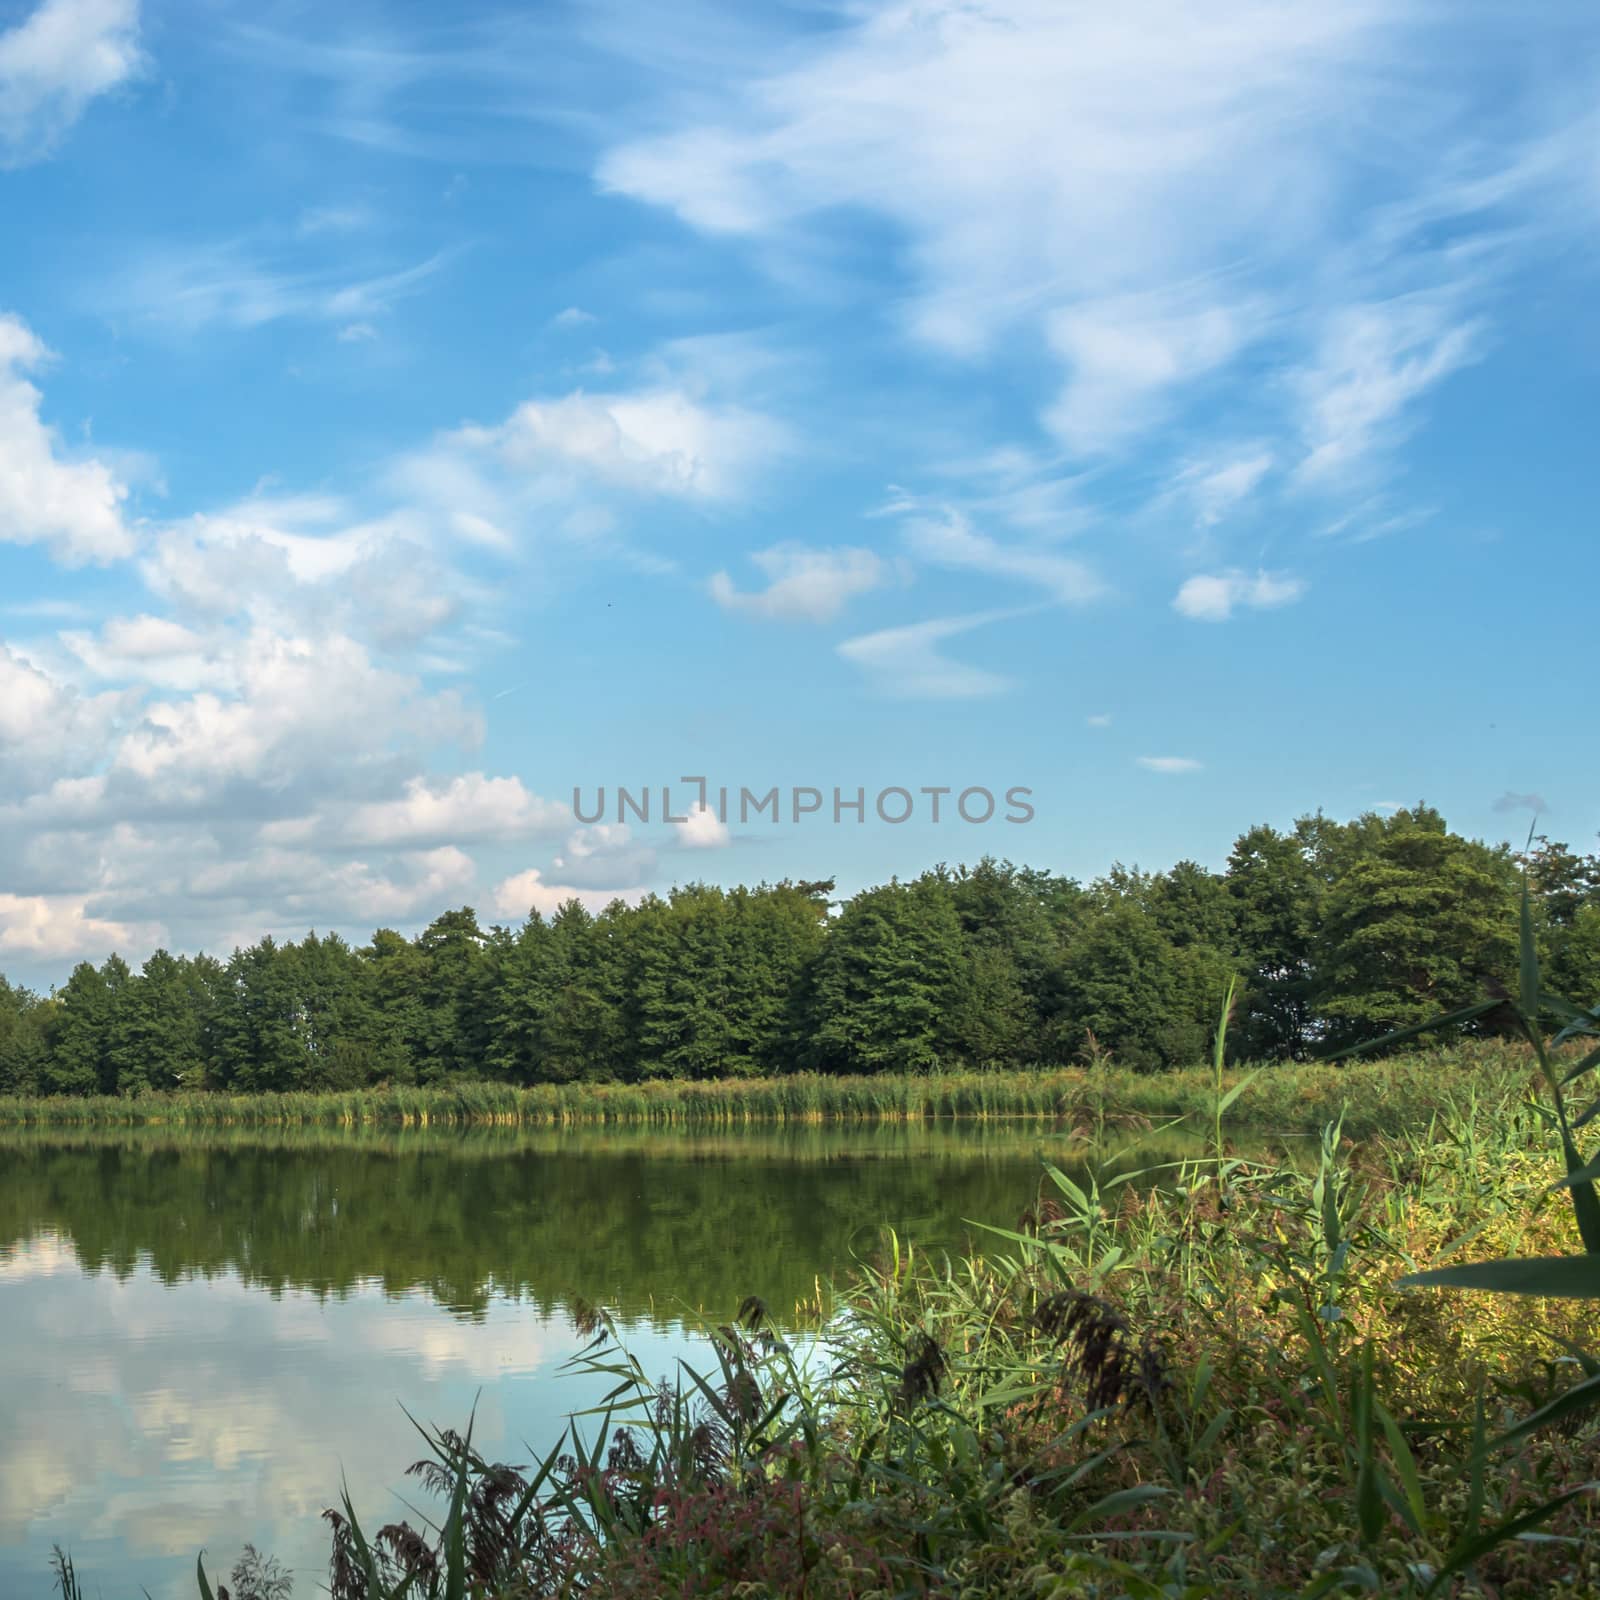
1253,1378
1236,1383
1333,933
1285,1099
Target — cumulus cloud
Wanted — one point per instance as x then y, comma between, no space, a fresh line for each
54,63
298,561
467,808
1168,764
431,880
299,703
146,649
73,507
702,829
658,441
1213,597
804,584
42,927
604,856
48,728
524,892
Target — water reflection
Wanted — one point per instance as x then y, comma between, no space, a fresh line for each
146,1418
201,1332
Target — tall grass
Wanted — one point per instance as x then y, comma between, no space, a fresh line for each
1200,1391
1371,1096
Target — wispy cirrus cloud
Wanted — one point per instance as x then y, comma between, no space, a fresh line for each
804,584
1227,238
1372,362
907,662
950,540
246,284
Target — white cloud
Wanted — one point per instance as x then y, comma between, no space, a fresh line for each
805,585
1217,487
1169,764
1373,361
54,62
147,650
1100,719
47,726
659,441
907,662
1167,199
527,891
573,317
1170,121
469,807
1213,597
604,856
60,926
1124,356
702,829
1185,141
73,507
316,220
297,703
434,879
293,562
238,284
951,541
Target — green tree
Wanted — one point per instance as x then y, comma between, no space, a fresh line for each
1008,992
1277,898
885,979
79,1052
1147,1000
156,1032
453,1026
1415,927
24,1039
392,971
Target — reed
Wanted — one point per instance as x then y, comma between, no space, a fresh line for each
1283,1098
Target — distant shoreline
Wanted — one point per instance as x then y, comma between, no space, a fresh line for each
1284,1099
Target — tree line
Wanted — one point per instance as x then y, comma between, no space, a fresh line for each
1336,931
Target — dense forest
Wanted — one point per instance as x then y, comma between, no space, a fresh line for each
1336,931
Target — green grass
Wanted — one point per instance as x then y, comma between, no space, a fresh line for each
1283,1099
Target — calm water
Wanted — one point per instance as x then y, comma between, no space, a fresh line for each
200,1332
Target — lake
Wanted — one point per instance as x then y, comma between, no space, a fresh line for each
204,1331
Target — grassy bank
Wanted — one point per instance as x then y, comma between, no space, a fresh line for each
1371,1096
1212,1388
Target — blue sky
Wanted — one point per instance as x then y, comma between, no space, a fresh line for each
410,413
